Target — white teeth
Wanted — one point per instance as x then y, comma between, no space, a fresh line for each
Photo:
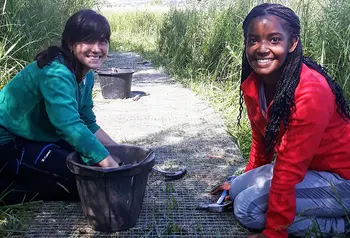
263,61
93,57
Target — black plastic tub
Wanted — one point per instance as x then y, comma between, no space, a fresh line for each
112,198
115,83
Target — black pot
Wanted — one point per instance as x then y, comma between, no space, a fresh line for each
112,198
115,83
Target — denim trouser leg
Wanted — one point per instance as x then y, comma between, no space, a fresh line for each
322,200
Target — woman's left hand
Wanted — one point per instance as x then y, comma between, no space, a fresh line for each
260,235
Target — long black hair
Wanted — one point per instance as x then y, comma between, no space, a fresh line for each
83,26
284,101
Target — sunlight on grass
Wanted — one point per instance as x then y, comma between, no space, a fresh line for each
201,46
135,31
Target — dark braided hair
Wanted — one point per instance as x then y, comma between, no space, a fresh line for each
284,102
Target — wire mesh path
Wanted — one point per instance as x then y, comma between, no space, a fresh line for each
184,131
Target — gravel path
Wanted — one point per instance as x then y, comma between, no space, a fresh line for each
184,131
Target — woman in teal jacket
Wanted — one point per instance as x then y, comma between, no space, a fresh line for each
46,113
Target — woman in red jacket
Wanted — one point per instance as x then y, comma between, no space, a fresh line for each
298,113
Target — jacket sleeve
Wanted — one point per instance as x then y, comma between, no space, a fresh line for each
86,111
59,92
314,109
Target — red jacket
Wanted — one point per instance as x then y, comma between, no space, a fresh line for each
317,139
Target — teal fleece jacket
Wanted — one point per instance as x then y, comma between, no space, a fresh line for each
49,105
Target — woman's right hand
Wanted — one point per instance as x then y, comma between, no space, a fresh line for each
220,188
108,162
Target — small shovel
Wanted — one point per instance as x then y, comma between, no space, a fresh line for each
219,208
221,205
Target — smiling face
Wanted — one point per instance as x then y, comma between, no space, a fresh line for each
91,54
267,46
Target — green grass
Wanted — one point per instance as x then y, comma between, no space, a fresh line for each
14,220
201,46
28,27
135,31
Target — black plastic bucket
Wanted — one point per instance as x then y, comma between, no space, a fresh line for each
112,197
115,83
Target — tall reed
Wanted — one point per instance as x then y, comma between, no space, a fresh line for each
26,27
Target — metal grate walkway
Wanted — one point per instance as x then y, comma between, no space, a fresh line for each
169,210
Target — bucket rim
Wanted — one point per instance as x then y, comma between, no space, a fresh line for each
111,72
149,158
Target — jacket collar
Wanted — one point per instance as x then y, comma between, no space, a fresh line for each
250,86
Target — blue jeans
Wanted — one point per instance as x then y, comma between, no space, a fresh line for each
322,200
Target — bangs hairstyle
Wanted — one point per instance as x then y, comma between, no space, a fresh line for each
83,26
86,26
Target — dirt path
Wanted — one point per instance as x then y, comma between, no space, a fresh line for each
184,131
